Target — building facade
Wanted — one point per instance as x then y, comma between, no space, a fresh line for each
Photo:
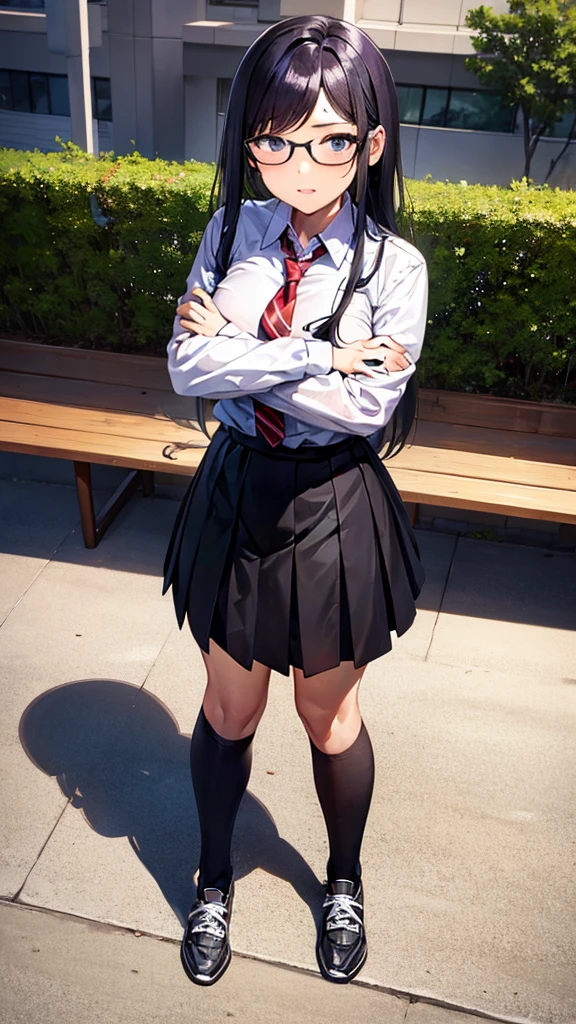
160,73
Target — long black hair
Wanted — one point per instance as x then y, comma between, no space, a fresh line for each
275,89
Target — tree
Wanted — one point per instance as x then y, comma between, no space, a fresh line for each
529,56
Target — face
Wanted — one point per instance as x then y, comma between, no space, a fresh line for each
302,183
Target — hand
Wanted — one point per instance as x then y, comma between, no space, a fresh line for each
349,359
395,360
201,319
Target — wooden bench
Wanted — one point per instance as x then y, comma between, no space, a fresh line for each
467,451
491,454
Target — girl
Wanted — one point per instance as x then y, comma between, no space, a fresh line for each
304,316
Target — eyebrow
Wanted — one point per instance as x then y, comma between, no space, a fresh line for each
330,124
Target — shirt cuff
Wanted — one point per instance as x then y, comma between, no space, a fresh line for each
319,357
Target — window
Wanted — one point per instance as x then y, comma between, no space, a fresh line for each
223,87
101,99
435,106
223,94
34,92
410,99
20,90
39,89
562,128
475,109
5,91
59,98
479,111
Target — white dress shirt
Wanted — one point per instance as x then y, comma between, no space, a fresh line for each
294,374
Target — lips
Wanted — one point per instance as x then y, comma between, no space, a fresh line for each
307,191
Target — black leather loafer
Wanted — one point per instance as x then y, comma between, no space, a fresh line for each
205,950
341,949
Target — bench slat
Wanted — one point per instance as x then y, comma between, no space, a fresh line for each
505,413
488,467
92,395
485,441
484,495
108,449
73,363
129,426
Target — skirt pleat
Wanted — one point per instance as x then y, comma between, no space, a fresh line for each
365,585
317,567
261,570
272,638
214,544
187,528
398,547
299,557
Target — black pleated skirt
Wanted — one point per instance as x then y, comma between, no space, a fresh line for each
299,557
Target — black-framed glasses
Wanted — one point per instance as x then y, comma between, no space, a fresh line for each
331,151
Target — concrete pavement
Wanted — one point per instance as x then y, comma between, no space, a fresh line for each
469,852
61,970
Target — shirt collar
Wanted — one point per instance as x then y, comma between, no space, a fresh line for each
336,237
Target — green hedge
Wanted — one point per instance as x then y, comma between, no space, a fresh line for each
502,309
68,279
95,252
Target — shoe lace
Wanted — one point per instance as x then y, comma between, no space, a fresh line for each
211,919
342,913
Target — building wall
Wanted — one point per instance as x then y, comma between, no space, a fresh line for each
484,158
201,130
422,12
147,77
20,130
440,69
24,46
164,59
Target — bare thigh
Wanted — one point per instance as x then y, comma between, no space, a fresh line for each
327,704
235,698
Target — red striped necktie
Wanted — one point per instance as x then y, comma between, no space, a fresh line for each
277,322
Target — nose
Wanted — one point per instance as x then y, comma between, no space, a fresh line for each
305,165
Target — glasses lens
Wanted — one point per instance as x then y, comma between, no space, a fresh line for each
338,149
269,150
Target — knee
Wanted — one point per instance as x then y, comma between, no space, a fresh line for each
331,728
314,718
320,722
230,717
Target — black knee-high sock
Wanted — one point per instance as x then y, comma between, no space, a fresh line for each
220,772
344,784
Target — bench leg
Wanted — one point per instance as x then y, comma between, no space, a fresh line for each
94,526
147,482
86,503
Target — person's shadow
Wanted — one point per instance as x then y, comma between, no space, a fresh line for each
117,752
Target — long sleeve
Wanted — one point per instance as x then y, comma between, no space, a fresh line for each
356,403
234,362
